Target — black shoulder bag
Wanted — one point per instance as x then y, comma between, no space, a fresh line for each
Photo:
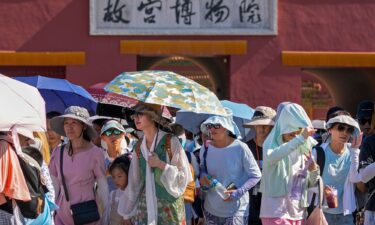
320,160
83,212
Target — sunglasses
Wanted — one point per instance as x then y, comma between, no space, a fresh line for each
108,133
216,126
342,128
137,115
363,121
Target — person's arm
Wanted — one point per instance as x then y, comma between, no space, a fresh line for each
204,182
275,155
103,192
48,182
98,168
368,173
354,176
361,187
195,164
367,167
53,171
251,168
176,174
106,216
128,201
56,186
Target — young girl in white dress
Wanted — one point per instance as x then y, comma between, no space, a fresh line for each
119,171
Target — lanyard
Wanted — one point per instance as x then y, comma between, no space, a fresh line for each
258,158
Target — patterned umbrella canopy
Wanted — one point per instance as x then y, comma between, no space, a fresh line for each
168,89
97,91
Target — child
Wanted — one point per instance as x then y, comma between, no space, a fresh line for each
119,171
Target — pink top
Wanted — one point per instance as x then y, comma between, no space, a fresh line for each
80,172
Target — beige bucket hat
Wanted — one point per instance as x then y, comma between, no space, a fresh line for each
263,115
74,112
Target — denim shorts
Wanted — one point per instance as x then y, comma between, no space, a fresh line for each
339,219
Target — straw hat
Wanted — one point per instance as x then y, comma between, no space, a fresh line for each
154,112
77,113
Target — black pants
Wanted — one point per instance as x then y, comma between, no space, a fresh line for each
254,210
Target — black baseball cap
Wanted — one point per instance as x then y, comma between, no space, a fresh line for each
365,109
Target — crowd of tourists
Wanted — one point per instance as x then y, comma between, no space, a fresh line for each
102,170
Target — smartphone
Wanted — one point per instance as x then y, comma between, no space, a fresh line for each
231,186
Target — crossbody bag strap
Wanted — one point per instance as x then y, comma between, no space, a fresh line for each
168,147
320,160
369,197
62,172
205,158
138,148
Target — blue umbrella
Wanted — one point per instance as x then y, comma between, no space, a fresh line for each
242,113
60,93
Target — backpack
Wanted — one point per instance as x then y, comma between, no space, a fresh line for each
31,171
32,209
189,194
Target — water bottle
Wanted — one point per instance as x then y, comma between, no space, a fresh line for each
220,189
297,187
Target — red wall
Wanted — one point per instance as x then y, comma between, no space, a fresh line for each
256,78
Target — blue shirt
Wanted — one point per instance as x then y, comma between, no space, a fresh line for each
336,171
234,163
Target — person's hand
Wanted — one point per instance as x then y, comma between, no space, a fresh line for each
126,222
311,164
308,131
229,192
154,161
200,221
204,181
357,140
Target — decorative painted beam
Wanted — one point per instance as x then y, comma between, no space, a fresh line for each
328,59
183,47
8,58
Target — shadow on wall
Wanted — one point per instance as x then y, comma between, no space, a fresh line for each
348,86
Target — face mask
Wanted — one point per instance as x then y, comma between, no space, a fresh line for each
123,144
103,144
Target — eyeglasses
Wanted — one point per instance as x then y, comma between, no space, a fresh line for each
136,115
363,121
342,128
108,133
216,126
